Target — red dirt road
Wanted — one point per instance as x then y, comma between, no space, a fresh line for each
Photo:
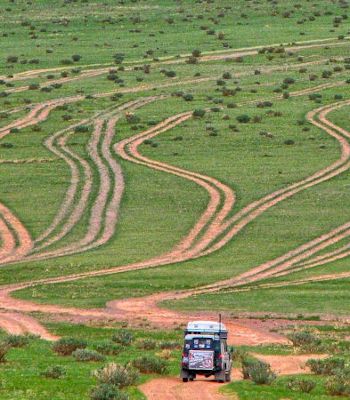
207,389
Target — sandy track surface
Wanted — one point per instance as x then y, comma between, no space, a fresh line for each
174,389
20,324
8,240
207,389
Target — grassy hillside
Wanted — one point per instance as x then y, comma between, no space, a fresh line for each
154,146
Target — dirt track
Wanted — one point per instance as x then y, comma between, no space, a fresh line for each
212,231
174,389
249,212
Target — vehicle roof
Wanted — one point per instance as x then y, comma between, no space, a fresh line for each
205,327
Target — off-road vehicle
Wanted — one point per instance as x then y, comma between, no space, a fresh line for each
205,351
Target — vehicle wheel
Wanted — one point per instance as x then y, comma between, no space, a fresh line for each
228,377
191,378
184,379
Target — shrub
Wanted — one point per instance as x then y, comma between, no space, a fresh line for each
192,60
338,385
147,344
125,338
259,372
301,385
263,104
6,145
326,74
289,142
199,113
239,355
81,129
315,96
66,346
54,372
303,338
87,355
66,61
33,86
12,59
132,118
196,53
17,340
118,58
288,81
4,348
150,364
108,348
107,392
116,374
327,366
76,57
247,363
188,97
243,119
170,74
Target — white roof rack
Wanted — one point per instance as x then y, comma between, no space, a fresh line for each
205,327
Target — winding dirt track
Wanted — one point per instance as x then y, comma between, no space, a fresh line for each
129,307
212,231
99,69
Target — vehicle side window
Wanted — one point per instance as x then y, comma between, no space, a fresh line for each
223,346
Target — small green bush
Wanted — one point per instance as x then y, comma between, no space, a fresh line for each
4,348
303,338
81,129
66,346
339,385
258,371
76,57
132,118
243,119
117,375
198,113
188,97
289,142
54,372
107,392
150,365
6,145
301,385
327,366
33,86
17,340
125,338
108,348
87,355
239,355
12,59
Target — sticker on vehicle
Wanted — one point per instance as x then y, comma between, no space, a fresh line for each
201,359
